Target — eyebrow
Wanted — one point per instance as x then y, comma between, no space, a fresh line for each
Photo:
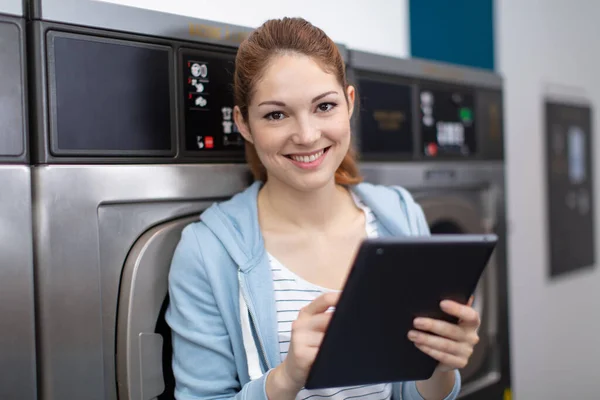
282,104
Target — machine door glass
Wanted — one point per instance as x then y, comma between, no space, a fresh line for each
455,215
143,337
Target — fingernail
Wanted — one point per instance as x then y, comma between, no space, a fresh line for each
419,322
445,304
412,335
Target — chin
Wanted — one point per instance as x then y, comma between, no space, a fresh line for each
305,182
312,183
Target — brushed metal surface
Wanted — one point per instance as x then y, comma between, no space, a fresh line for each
17,338
87,219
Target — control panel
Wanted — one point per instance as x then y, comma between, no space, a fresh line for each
208,98
447,122
403,118
113,97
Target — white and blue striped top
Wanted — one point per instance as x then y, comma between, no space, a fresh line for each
291,294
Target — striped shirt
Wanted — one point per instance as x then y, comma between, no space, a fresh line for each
291,294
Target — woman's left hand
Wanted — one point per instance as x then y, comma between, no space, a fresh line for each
454,343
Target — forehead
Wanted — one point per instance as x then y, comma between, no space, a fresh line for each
292,75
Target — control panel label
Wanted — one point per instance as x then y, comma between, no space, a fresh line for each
385,117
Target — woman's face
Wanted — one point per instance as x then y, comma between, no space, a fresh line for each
299,122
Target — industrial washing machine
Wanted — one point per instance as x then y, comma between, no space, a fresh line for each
17,338
437,131
133,138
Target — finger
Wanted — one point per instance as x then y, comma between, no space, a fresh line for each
441,344
471,301
321,303
309,323
319,322
442,328
444,358
467,315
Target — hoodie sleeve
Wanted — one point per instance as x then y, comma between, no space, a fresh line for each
203,362
410,392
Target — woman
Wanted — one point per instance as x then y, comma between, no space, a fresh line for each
251,283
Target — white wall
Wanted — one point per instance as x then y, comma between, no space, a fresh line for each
379,26
555,325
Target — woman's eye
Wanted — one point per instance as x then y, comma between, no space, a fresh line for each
274,116
324,107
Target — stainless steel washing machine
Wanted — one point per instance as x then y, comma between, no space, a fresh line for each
437,130
17,339
133,138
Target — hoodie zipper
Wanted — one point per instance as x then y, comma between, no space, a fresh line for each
253,319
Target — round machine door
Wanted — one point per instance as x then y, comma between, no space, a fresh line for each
451,215
143,338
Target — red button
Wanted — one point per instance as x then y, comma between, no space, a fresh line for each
432,149
208,141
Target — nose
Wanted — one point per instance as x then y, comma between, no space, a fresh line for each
305,132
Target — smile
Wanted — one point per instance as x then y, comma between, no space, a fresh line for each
308,160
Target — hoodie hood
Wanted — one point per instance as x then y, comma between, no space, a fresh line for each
235,223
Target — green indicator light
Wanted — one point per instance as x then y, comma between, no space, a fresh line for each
466,115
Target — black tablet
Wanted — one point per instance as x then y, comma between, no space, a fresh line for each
392,281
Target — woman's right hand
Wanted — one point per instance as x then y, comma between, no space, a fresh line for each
308,331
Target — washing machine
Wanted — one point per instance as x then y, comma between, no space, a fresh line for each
437,130
17,339
133,138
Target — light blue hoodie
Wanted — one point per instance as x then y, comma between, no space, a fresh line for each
220,267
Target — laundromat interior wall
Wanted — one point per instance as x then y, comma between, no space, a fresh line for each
554,343
539,46
379,26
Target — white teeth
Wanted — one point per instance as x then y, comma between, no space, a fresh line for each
308,159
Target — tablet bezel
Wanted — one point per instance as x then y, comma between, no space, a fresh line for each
418,366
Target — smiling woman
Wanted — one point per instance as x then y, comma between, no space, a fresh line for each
297,111
252,283
304,65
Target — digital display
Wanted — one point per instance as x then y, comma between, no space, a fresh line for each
208,91
447,122
110,96
385,117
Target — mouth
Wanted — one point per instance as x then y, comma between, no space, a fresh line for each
308,157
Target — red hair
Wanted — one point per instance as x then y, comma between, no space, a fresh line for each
278,36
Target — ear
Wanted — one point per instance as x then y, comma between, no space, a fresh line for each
350,94
241,124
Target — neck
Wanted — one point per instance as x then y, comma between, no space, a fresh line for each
313,210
